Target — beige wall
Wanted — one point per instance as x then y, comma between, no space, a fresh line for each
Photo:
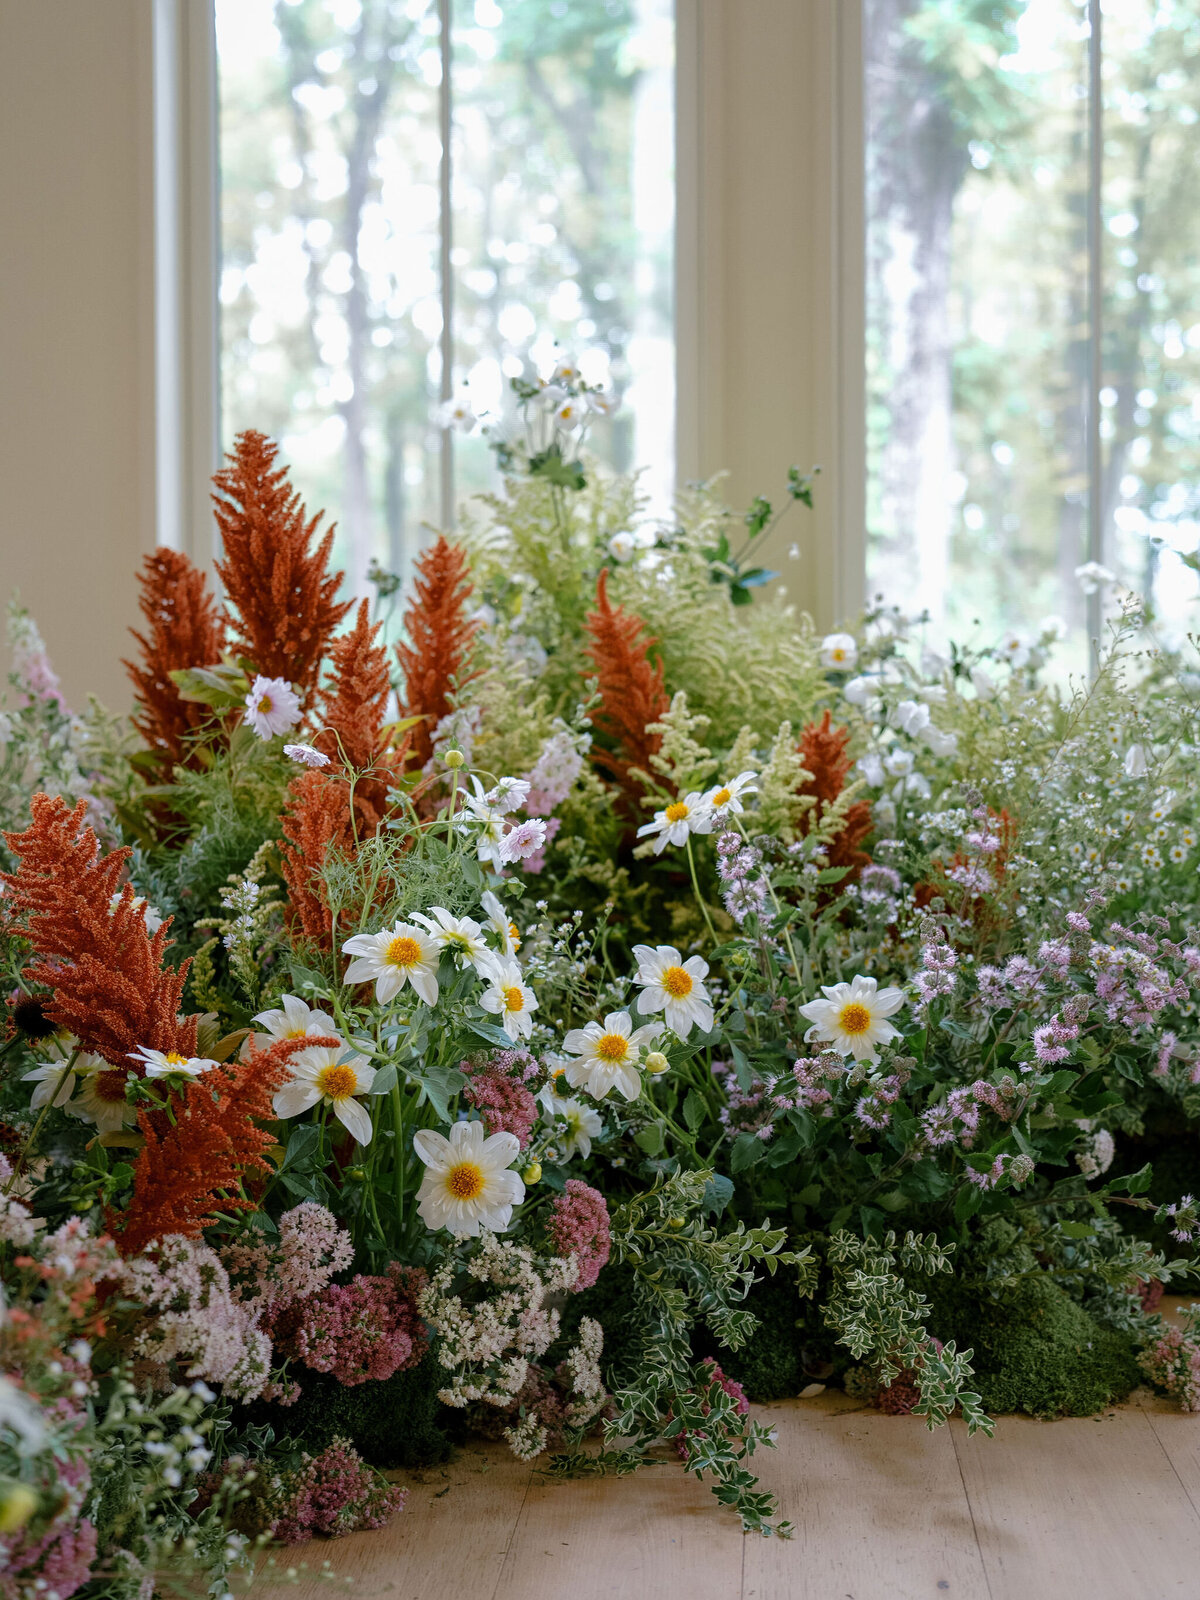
76,325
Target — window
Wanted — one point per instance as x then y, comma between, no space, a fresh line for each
363,278
1033,296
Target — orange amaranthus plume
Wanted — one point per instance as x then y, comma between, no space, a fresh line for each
111,989
316,819
440,636
823,751
354,703
195,1165
183,629
281,587
631,689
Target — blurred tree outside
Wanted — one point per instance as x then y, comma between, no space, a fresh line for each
330,230
978,319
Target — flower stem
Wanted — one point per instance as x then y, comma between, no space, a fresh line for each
696,886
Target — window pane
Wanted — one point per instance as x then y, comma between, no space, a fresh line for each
977,310
564,201
1151,401
330,220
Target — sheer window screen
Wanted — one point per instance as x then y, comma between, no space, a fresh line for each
983,325
560,232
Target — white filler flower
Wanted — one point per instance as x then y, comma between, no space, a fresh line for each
673,986
467,1185
608,1056
325,1073
509,998
272,707
399,955
852,1017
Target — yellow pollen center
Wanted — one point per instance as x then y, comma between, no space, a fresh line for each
337,1083
722,797
403,952
854,1018
265,703
514,1000
514,936
677,983
612,1047
174,1059
465,1181
676,811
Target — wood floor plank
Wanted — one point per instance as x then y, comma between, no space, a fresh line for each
656,1534
449,1541
1080,1507
879,1508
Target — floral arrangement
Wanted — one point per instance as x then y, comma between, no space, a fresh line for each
609,1006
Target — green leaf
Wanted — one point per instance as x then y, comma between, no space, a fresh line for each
718,1192
649,1139
438,1086
747,1152
493,1034
220,687
1077,1230
1134,1182
694,1109
384,1079
549,464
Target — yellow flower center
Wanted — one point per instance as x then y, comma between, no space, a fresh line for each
174,1059
403,951
514,936
722,797
296,1033
677,983
265,703
612,1047
676,811
854,1018
838,653
514,1000
465,1181
337,1083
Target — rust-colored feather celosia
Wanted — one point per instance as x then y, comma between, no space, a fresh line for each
316,820
111,988
280,586
193,1162
436,658
183,629
354,702
631,689
823,751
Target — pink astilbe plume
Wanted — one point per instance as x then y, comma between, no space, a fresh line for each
111,989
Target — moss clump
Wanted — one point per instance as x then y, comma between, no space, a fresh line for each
395,1422
1035,1349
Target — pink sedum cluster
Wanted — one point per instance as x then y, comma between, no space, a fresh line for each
505,1105
274,1273
579,1227
1172,1361
333,1494
369,1328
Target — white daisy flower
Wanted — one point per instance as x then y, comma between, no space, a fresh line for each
51,1079
622,547
676,821
727,797
272,707
1013,648
467,1183
506,796
1136,765
501,923
570,413
399,955
306,754
862,691
326,1074
839,652
601,403
1093,578
161,1064
294,1019
151,914
101,1097
462,936
457,413
575,1124
673,986
608,1056
852,1017
509,997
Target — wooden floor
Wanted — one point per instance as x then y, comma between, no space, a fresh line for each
1103,1508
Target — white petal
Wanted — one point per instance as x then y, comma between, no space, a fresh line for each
425,983
355,1118
502,1149
294,1099
434,1149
